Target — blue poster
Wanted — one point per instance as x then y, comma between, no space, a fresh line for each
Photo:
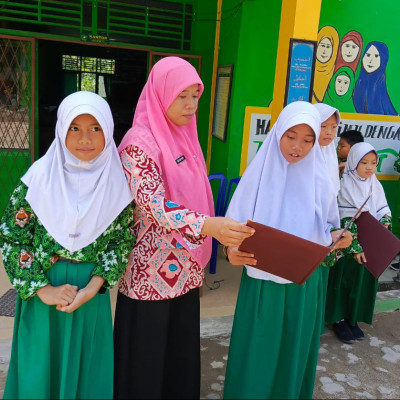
299,83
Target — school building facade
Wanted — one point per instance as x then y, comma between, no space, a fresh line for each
254,56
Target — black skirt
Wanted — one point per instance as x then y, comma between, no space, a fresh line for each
157,348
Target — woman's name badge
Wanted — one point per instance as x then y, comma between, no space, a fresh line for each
180,159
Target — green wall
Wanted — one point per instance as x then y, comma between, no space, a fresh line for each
375,21
249,39
13,164
203,36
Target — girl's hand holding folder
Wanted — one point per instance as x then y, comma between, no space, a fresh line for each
360,258
344,241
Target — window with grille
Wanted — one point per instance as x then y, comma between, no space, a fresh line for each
159,23
90,72
16,113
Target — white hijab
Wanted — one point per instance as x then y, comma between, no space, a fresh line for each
76,200
295,198
354,189
329,152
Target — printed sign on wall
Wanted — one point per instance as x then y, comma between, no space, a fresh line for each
257,122
300,72
382,132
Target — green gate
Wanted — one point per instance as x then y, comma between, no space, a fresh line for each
17,60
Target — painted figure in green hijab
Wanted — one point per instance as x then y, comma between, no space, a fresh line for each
340,90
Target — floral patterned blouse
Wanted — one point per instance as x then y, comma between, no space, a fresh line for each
159,267
396,165
29,251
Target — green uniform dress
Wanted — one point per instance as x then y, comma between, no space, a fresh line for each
275,339
352,288
325,265
58,355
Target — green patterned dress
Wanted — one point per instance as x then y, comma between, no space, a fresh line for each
352,288
57,354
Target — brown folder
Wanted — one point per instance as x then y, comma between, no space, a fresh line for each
287,255
283,254
379,244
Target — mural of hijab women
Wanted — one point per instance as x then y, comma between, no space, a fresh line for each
328,43
349,51
370,93
340,90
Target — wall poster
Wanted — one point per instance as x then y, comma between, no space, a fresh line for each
221,103
300,73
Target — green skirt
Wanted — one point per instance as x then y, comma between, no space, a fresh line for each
324,281
56,355
275,340
351,292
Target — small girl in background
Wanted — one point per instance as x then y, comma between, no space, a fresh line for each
65,238
347,139
352,288
330,118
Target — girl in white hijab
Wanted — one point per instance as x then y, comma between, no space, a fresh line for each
64,239
275,336
330,119
352,288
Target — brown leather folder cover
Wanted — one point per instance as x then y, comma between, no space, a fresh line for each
379,244
283,254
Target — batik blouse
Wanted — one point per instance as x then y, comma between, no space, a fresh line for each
159,266
29,251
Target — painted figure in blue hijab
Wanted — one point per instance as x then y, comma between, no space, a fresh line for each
370,93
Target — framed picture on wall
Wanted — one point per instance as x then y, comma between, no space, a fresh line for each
300,71
221,101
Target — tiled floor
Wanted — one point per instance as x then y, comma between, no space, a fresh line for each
388,275
220,290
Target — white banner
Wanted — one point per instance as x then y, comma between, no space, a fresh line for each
383,135
383,132
259,127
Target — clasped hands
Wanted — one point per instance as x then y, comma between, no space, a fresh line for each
68,297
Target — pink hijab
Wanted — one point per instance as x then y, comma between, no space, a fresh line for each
175,149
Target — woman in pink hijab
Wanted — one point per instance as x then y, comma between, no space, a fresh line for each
157,318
